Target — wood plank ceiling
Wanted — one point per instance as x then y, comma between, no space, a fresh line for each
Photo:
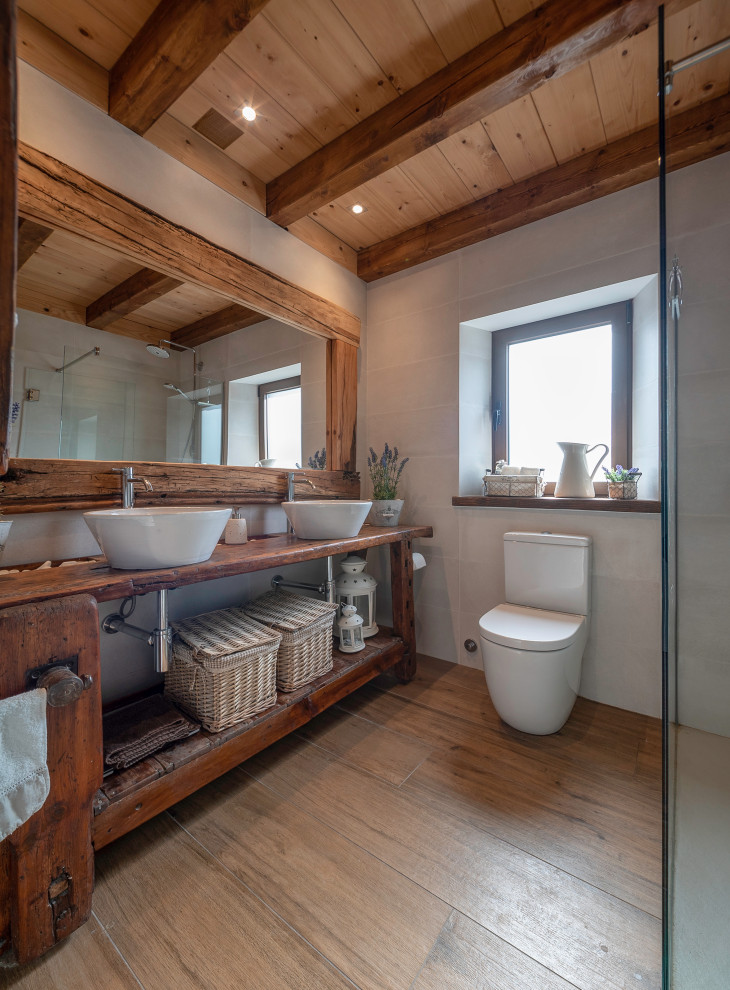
71,278
448,120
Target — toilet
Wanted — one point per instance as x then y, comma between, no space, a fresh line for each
532,646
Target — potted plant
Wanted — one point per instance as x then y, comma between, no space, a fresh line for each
622,482
385,472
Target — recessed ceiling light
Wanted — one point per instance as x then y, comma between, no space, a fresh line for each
248,113
359,208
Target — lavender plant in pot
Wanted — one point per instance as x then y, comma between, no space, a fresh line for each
385,472
622,482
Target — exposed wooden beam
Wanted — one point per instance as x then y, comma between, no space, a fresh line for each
696,134
544,44
35,485
30,237
8,225
218,324
54,193
134,292
341,405
177,43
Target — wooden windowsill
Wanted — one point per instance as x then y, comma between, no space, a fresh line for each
598,504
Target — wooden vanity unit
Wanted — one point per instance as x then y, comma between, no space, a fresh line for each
51,615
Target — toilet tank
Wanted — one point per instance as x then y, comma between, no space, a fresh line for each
548,570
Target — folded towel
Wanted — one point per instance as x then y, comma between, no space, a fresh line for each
141,729
24,779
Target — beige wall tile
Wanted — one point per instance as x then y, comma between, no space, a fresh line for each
426,333
407,293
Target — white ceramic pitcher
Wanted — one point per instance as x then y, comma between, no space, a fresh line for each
575,480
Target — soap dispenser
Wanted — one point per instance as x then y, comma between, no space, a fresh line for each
236,529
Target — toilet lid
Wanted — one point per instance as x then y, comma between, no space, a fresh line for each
525,628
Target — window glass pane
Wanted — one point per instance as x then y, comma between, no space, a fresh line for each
284,426
559,389
211,424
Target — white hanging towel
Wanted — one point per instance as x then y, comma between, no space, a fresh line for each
24,779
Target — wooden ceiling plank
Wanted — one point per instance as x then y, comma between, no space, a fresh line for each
519,139
97,34
687,32
228,87
54,193
48,52
30,237
398,38
569,112
548,42
135,292
216,325
433,174
35,299
625,83
279,69
475,160
319,32
456,25
180,39
697,134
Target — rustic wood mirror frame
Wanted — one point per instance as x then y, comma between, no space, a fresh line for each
38,187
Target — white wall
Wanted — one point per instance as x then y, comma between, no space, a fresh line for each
412,383
412,373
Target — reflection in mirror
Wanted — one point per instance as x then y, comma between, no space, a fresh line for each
199,404
272,352
118,404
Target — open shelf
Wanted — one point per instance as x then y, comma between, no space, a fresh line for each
129,797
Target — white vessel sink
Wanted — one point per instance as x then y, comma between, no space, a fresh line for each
326,520
134,539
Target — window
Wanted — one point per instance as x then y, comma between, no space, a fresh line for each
563,379
280,421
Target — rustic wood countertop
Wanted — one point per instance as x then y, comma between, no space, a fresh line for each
105,583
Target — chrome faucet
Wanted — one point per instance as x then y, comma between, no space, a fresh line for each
290,493
128,483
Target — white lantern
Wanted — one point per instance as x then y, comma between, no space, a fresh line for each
355,587
349,629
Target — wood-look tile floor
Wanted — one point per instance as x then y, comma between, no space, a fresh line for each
405,839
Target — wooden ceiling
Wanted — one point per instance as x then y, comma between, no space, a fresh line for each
69,277
449,120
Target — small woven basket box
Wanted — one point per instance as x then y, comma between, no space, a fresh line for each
223,668
305,627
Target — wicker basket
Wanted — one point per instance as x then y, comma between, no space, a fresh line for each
514,485
223,668
624,489
305,625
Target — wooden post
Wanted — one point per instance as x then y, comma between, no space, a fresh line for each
8,217
49,859
404,623
341,405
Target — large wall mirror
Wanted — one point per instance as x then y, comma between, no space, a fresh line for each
113,362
